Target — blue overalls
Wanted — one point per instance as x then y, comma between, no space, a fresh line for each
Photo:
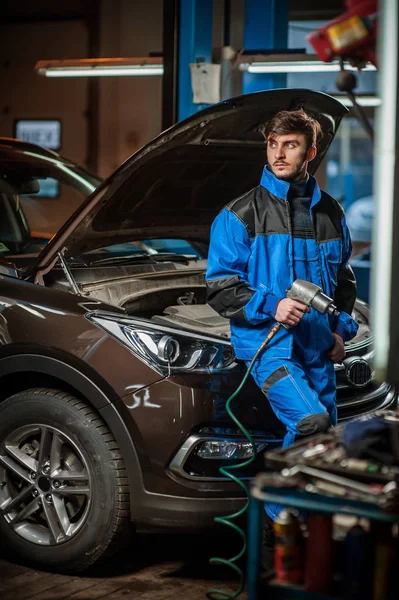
253,259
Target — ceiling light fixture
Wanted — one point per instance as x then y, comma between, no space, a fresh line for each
297,63
367,101
299,67
101,67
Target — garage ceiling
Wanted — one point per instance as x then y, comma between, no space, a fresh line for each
26,10
42,10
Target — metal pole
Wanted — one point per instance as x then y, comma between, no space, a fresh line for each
254,546
93,109
171,16
384,273
226,22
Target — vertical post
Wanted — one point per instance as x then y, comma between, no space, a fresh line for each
346,162
385,286
266,28
171,13
195,46
254,546
93,104
227,55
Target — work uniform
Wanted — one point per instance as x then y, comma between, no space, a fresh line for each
260,243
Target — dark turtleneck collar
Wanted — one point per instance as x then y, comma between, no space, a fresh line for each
280,188
299,188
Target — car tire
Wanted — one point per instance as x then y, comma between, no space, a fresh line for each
64,496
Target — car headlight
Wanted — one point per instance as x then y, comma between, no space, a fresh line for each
166,349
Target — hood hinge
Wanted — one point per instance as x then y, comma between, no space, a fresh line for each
68,274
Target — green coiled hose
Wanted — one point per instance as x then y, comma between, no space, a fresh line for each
216,594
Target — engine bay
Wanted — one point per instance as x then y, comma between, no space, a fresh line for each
169,294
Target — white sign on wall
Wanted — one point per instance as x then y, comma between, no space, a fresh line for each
205,83
44,132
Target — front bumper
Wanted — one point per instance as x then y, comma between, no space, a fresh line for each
177,412
180,512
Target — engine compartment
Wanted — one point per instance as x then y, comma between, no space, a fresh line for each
196,317
156,301
171,296
176,297
180,307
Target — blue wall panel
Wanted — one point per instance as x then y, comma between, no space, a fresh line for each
266,28
195,46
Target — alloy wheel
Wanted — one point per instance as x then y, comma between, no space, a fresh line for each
45,484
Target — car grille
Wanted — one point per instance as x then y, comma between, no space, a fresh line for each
358,372
357,394
352,402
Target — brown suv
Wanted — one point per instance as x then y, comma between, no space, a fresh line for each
114,372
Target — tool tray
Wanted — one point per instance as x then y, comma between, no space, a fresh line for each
280,459
334,459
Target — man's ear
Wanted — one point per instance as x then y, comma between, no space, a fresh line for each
311,153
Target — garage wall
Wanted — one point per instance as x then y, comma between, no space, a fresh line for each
130,107
24,95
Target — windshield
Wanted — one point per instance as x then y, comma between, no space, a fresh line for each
142,249
40,193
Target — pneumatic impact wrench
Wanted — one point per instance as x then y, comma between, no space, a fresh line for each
307,293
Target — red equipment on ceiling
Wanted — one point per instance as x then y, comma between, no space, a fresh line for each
351,36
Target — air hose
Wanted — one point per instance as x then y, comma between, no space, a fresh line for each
216,594
313,296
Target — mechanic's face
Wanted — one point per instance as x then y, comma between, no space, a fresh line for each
288,155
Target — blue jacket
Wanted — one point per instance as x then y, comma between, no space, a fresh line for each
254,258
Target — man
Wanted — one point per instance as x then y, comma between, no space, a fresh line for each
285,229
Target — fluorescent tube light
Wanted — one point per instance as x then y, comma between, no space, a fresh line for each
368,101
298,67
100,67
291,63
103,71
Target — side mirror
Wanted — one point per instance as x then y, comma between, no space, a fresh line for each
8,269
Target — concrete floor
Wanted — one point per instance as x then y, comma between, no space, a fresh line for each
157,567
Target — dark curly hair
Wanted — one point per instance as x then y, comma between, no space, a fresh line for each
294,121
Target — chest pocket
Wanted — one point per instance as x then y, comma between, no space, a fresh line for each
306,260
332,253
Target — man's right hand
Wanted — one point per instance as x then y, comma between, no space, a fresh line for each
290,311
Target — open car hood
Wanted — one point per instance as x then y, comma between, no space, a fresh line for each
175,185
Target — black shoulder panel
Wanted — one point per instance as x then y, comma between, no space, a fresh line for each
243,209
261,212
327,215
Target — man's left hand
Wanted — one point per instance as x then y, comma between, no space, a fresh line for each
337,352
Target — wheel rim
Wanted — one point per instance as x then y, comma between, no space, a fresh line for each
45,485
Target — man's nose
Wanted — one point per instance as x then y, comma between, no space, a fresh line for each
280,152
